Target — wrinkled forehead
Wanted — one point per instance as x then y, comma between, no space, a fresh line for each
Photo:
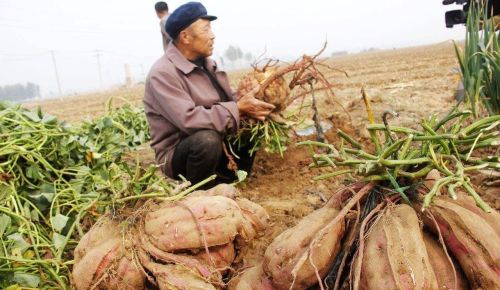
200,24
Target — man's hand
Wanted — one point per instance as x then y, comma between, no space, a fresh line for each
254,108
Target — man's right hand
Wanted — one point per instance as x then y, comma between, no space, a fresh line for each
253,107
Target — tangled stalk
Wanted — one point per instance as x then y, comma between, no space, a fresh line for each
407,154
273,133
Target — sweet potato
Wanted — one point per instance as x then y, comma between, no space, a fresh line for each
294,257
252,278
175,277
188,261
301,256
276,93
394,255
102,260
255,217
442,266
218,257
470,237
194,222
492,218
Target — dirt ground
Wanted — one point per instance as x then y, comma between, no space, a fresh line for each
415,82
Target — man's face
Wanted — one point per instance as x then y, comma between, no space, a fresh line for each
161,14
201,38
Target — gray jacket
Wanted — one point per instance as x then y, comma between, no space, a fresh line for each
180,99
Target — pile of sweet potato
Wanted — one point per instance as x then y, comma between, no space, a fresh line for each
187,244
193,244
451,245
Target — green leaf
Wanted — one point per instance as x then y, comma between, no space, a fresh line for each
26,210
59,221
48,119
5,222
19,242
58,241
42,200
34,216
26,280
33,116
33,172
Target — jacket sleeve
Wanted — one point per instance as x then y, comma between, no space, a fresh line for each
174,103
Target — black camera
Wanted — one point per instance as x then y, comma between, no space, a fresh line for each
460,16
456,16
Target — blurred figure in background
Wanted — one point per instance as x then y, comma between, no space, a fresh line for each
161,9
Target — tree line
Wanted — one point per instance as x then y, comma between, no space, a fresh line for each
19,92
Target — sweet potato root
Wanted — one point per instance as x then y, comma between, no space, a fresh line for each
255,218
275,93
102,260
218,257
301,256
193,223
296,255
252,278
470,237
394,255
175,276
447,278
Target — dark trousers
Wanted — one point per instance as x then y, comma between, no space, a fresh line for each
201,155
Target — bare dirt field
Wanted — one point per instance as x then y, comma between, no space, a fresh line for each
415,82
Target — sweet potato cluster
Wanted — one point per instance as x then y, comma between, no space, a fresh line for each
453,244
187,244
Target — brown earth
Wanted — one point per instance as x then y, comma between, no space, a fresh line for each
415,82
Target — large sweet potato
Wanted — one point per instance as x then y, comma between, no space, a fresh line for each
301,256
252,278
194,222
294,257
103,261
472,239
442,266
394,255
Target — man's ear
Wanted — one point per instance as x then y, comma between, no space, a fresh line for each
184,37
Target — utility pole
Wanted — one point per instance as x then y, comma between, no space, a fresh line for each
98,56
57,72
143,74
128,76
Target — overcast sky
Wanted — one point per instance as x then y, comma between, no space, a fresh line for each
127,31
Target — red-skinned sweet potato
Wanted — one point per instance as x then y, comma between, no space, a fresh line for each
470,238
394,255
193,223
447,278
176,276
252,278
103,261
218,257
294,257
301,256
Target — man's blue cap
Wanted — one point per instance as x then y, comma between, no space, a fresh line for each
184,16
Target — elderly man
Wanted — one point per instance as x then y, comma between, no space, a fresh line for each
189,104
